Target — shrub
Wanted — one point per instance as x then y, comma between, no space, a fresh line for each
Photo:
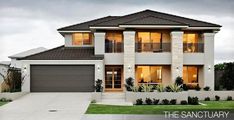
229,98
5,100
193,100
129,83
148,101
146,88
207,99
217,98
160,88
185,87
139,101
179,81
165,101
155,101
168,89
93,101
207,88
98,86
183,102
173,101
135,88
175,88
197,88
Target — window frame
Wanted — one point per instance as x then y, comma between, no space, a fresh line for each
197,78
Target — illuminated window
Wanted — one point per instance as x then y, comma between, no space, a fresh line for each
114,42
82,39
191,43
190,74
149,74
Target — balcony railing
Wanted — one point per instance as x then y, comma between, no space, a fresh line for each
153,47
193,47
112,47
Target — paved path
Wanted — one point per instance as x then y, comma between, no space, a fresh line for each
46,106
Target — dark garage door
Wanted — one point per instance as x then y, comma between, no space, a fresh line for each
62,78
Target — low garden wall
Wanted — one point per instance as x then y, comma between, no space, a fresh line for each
12,96
179,96
211,94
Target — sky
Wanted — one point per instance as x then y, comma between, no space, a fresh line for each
27,24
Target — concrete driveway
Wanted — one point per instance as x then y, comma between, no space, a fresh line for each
46,106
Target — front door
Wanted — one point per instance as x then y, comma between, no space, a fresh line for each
113,78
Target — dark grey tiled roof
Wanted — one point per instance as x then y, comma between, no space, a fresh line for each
146,17
66,53
85,25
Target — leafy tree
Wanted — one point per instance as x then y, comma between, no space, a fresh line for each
13,79
227,78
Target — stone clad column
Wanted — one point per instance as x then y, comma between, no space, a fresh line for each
177,54
208,60
129,54
99,43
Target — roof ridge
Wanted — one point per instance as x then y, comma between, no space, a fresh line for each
85,22
123,16
42,52
154,17
183,17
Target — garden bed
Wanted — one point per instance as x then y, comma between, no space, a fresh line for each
179,96
12,96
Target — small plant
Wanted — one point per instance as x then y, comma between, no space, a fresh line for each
129,83
197,88
146,88
168,89
148,101
139,101
5,100
155,101
185,87
160,88
217,98
193,100
165,101
183,102
175,88
98,86
93,101
135,89
229,98
207,99
207,88
179,81
173,101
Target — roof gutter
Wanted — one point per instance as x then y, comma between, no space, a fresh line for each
153,26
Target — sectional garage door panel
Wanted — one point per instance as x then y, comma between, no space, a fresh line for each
62,78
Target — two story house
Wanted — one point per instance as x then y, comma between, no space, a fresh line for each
149,46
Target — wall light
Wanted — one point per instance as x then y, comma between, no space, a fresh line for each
177,69
98,67
209,68
129,68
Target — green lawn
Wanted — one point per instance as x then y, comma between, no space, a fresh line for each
3,103
159,109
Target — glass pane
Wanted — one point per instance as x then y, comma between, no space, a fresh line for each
192,75
156,37
117,78
87,39
113,42
108,81
77,39
143,37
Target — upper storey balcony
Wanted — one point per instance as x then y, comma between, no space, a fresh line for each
193,43
152,42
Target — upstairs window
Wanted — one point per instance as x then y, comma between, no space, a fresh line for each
114,42
191,43
82,39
